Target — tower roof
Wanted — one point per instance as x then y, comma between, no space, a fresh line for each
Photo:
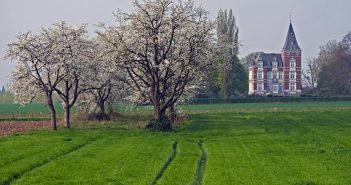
291,42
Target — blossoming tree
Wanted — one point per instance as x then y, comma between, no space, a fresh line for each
48,62
163,46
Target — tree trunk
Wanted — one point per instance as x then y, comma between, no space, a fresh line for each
159,115
157,112
67,116
67,107
225,84
52,110
172,114
101,105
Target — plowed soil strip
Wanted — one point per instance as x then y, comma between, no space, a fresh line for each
10,128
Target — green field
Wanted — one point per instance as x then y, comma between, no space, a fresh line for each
300,144
42,108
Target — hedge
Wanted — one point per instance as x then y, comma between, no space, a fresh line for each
266,99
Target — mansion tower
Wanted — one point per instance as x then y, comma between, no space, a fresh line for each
277,74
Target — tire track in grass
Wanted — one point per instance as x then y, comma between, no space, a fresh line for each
166,164
201,164
17,175
21,157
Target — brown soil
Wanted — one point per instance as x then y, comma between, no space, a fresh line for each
10,128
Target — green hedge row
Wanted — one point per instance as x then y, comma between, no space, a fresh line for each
266,99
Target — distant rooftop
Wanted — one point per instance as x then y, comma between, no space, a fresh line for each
268,58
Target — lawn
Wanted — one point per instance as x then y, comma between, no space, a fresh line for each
297,145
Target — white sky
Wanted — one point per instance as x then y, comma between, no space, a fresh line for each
263,24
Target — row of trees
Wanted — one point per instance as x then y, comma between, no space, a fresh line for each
160,53
330,73
59,60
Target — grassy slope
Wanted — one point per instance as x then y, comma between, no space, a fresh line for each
293,147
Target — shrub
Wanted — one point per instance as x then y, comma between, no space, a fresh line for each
159,126
99,116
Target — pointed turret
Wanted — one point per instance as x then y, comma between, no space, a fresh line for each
291,42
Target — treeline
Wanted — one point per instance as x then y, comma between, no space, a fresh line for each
6,96
329,74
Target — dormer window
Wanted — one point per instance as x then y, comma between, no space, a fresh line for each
260,64
292,63
274,75
275,64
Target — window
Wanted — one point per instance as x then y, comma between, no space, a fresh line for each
292,63
274,75
280,75
292,86
260,75
260,64
292,75
269,75
260,86
275,88
275,64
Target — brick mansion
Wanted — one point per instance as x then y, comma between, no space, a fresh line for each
277,74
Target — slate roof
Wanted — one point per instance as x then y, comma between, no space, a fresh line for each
268,58
291,42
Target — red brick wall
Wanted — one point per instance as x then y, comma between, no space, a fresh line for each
286,63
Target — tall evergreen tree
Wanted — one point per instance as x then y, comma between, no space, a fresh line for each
227,34
2,90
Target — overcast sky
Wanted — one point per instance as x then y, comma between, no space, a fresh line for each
263,24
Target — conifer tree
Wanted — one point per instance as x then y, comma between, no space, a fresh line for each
227,35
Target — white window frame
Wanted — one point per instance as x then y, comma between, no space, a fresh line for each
275,64
275,88
260,75
292,63
260,86
280,75
275,75
292,86
292,75
269,75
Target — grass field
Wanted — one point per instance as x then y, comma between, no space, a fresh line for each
42,108
301,144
